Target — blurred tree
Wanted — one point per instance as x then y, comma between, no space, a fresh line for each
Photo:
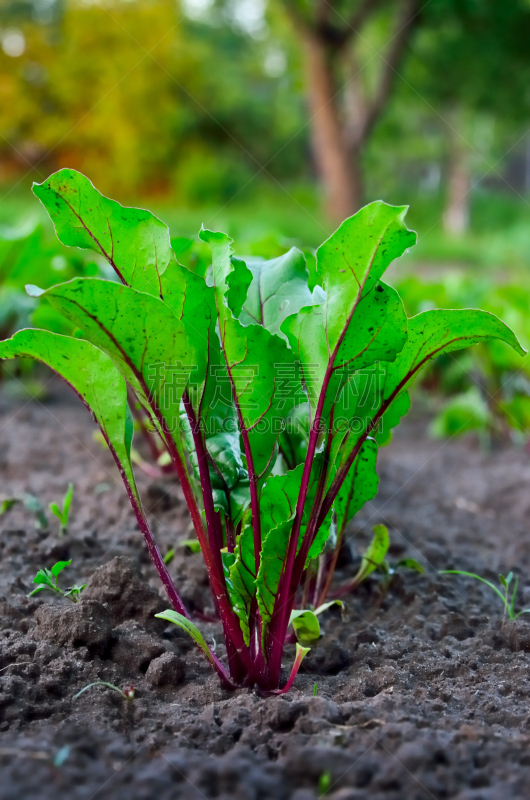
143,99
471,60
347,91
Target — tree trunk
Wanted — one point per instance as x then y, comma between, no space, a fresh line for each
339,169
456,214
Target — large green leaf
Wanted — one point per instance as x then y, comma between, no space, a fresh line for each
443,331
92,375
263,402
352,261
360,485
137,246
278,289
376,332
149,345
362,320
430,334
135,243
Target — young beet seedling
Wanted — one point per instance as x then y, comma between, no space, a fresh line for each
63,513
267,387
509,602
47,579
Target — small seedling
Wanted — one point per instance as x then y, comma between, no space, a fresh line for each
63,514
48,579
30,503
315,690
324,783
509,603
169,556
127,693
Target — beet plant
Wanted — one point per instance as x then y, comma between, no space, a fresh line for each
269,385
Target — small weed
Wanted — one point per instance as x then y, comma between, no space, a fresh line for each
63,514
48,579
127,693
315,690
509,603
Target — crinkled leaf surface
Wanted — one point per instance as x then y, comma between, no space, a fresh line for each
255,378
278,289
92,375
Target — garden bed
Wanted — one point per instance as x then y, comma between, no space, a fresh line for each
421,692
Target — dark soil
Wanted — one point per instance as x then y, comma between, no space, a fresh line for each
422,692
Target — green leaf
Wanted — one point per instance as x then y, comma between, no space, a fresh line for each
192,544
410,563
374,554
306,626
57,568
231,276
6,504
40,588
67,501
430,334
278,504
273,552
148,344
263,402
278,289
90,373
351,330
45,577
56,511
441,331
135,243
360,485
242,580
358,253
326,606
190,628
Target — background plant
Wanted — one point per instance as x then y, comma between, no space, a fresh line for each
508,599
319,351
48,580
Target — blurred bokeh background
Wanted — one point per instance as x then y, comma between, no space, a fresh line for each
274,120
